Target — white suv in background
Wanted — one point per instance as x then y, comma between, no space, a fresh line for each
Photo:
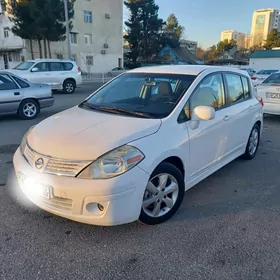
60,74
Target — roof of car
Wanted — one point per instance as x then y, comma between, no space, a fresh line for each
181,69
50,60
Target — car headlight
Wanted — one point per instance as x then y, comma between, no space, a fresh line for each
24,140
113,163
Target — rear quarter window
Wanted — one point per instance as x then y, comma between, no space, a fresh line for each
67,66
246,87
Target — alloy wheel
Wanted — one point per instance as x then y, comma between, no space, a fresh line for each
29,110
254,141
160,195
69,87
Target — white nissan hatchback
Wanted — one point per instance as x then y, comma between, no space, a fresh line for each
131,150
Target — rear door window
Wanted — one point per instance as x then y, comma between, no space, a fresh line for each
56,66
235,89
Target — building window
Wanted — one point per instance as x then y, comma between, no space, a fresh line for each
88,39
16,56
73,38
88,16
74,57
6,32
89,60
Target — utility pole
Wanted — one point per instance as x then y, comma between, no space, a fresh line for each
67,28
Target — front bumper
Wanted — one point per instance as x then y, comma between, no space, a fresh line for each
78,199
271,108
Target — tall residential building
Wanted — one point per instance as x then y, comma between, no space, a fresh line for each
239,37
96,38
248,41
263,21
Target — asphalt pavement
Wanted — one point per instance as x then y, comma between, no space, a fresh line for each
228,226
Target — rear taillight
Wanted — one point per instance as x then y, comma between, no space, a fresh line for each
79,70
253,78
260,100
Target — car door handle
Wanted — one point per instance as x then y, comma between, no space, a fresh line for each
251,108
226,118
17,93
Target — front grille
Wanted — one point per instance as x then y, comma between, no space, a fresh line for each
64,167
55,166
58,203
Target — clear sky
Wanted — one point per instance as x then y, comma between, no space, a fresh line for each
205,19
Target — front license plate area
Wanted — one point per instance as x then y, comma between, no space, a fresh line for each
47,192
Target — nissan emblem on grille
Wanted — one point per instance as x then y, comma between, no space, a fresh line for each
39,163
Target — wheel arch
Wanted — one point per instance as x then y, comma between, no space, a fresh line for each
70,79
29,98
177,162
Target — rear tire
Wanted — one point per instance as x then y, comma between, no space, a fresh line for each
28,109
253,143
163,195
69,86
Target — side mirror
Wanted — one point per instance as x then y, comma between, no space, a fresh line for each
203,113
35,69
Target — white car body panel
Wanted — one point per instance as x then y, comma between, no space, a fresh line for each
79,134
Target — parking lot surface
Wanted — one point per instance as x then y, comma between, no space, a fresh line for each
228,226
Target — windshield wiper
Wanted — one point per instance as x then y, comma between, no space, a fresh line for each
116,110
126,111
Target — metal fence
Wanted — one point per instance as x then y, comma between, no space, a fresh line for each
98,77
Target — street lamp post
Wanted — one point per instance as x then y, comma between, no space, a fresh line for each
67,29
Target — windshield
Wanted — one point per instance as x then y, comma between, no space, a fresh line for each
266,72
24,65
141,94
273,79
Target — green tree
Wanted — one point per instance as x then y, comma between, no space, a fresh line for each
211,53
273,40
144,29
40,20
25,26
225,45
173,31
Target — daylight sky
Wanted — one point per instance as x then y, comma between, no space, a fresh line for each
205,19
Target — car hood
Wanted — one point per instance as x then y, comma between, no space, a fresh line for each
80,134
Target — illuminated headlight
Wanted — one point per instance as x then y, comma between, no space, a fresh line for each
24,140
113,163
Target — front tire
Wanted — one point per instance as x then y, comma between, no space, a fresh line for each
253,143
163,195
69,86
28,109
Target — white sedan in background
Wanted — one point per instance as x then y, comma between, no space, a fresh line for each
132,149
261,75
269,91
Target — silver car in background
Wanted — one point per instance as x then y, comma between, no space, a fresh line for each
18,96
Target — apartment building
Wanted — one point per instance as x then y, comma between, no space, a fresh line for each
263,22
96,38
239,37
